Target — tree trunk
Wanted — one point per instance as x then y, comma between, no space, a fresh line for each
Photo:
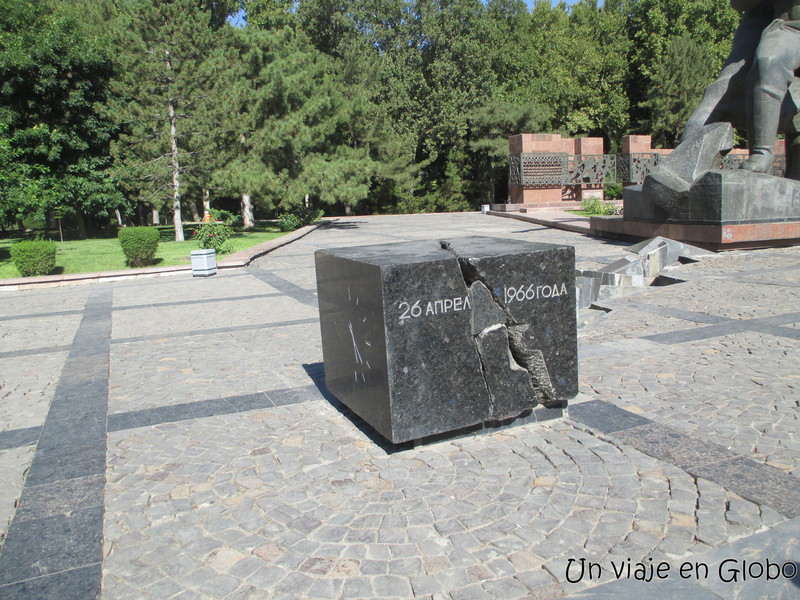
247,211
83,232
247,200
193,208
176,177
156,218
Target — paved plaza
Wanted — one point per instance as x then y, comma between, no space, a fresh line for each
172,438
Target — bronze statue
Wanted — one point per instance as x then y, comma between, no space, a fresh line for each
777,57
752,88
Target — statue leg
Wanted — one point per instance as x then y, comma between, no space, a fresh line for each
777,57
731,83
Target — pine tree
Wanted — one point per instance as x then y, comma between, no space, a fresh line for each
682,75
161,85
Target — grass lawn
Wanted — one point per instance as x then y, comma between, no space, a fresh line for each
87,256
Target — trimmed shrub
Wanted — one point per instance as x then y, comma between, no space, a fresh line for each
289,222
298,217
139,245
595,206
34,257
216,235
613,191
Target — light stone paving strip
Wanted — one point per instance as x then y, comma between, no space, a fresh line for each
27,386
171,290
299,500
193,368
707,390
701,459
53,547
13,464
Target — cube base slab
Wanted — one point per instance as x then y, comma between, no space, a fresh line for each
424,338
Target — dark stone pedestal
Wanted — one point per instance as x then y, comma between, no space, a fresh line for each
722,210
720,197
687,197
423,338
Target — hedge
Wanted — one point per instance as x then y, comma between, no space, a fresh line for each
139,245
34,257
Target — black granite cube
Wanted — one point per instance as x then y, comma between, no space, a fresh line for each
422,338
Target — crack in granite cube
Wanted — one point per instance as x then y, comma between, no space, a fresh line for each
424,338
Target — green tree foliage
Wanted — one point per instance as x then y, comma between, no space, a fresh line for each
681,77
296,128
653,24
21,192
160,91
269,14
490,126
354,105
598,52
315,136
54,81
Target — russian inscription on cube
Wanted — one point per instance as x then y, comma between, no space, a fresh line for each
422,338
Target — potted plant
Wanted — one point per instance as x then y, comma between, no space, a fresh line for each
212,237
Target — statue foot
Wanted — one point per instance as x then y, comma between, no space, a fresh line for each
760,161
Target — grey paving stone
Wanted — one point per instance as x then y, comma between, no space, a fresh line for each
758,483
219,586
390,586
17,438
293,396
52,544
164,588
286,287
405,566
325,588
629,588
506,588
471,592
296,584
605,417
358,587
374,567
82,583
245,464
266,577
60,497
672,446
67,452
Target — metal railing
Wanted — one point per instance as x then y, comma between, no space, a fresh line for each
554,169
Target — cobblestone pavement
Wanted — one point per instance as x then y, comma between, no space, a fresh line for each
172,438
